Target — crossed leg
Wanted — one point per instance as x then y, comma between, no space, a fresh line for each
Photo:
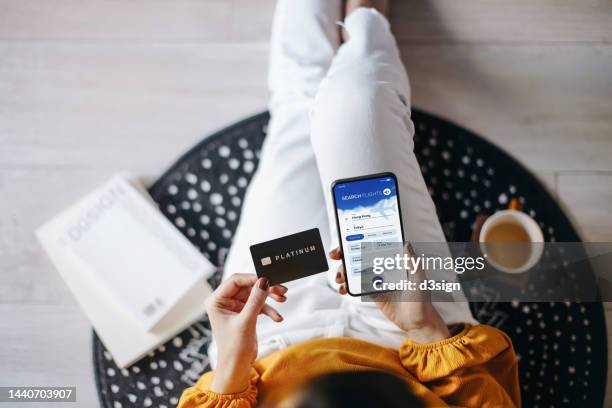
285,195
360,124
358,97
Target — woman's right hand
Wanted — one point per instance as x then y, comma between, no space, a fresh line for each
419,319
232,311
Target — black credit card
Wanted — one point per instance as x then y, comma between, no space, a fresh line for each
292,257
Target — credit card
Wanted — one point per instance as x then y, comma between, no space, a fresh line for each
291,257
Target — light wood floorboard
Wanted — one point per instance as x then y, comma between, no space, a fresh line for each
88,88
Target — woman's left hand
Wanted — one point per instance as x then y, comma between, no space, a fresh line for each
232,310
419,318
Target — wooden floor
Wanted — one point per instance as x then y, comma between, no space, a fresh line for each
88,88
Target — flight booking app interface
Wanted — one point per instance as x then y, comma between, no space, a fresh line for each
368,211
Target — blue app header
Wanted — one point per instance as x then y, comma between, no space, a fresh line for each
364,193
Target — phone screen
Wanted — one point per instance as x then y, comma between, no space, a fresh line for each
367,210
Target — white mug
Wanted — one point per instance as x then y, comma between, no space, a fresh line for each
529,226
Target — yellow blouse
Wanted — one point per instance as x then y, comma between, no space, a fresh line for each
475,368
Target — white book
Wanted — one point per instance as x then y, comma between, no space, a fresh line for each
138,280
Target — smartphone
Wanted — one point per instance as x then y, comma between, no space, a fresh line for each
367,212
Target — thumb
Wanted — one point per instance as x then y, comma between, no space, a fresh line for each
257,298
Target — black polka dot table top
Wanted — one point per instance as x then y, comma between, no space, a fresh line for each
562,347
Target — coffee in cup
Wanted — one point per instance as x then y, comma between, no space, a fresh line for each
511,241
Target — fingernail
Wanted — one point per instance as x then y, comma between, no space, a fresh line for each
263,284
284,288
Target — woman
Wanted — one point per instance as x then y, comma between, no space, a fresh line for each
340,111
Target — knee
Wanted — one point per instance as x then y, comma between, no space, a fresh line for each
350,93
351,98
369,32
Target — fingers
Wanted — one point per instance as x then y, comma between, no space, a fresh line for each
239,284
271,313
340,279
234,283
336,254
246,295
277,298
256,303
279,290
340,275
228,304
257,298
276,293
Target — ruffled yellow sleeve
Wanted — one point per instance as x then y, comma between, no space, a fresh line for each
475,368
200,395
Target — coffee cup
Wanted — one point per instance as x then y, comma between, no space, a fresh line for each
511,240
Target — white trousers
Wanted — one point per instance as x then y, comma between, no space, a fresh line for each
336,112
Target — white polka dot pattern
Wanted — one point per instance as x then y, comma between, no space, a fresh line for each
561,347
